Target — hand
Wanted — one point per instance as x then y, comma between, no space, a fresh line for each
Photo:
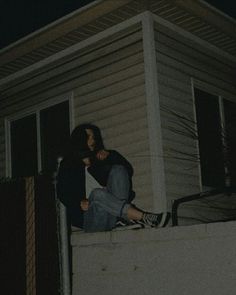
102,155
87,162
84,204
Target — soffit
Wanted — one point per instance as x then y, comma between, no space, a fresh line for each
193,16
201,20
68,33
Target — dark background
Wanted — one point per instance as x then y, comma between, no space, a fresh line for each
19,18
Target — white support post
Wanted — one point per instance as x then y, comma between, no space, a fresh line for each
64,245
65,265
38,130
153,114
63,240
8,172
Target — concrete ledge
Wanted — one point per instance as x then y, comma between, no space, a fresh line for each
199,259
199,231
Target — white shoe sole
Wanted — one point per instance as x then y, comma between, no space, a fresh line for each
164,219
128,227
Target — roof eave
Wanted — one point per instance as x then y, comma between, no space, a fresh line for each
211,15
58,28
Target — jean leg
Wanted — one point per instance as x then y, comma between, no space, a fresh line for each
108,203
96,219
118,183
104,209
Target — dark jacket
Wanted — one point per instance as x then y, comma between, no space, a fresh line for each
71,181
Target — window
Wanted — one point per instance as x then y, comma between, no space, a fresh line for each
54,132
24,146
230,133
216,137
38,140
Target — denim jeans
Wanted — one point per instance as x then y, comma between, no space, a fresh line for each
109,203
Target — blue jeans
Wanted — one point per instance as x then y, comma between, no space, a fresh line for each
109,203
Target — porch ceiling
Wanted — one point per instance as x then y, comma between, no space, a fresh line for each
194,16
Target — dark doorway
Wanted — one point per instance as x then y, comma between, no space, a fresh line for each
210,138
24,147
55,132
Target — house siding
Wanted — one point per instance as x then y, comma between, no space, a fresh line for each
107,79
113,97
108,85
180,60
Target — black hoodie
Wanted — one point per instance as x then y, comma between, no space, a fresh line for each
71,181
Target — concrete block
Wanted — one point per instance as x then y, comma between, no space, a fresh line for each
194,260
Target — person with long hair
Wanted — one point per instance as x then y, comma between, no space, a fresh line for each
95,185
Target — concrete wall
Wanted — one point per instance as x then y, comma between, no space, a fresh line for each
189,260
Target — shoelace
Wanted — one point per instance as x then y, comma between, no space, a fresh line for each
150,218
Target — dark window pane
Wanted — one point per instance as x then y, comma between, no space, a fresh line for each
230,125
24,146
210,138
55,132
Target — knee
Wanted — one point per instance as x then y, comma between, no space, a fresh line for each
95,195
118,169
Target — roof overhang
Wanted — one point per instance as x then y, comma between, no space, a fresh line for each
194,16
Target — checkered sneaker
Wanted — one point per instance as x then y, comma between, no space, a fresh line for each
155,220
125,225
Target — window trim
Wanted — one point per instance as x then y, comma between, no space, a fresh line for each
221,95
212,89
35,110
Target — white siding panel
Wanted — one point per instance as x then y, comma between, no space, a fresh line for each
177,62
135,150
184,148
129,138
197,64
119,92
102,98
80,63
124,116
110,111
178,95
95,81
73,79
126,128
183,189
112,96
107,80
195,72
61,75
183,50
170,103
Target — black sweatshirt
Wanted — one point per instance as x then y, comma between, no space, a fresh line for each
71,181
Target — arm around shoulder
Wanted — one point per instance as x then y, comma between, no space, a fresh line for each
115,158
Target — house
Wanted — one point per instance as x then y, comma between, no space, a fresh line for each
158,77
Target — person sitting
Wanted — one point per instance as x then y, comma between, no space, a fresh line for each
95,185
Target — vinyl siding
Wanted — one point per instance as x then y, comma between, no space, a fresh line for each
107,81
113,97
179,60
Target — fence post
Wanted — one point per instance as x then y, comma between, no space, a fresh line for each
30,237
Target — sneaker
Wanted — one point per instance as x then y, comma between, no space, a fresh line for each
155,220
165,217
125,224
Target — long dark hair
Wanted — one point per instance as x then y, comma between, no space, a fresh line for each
78,147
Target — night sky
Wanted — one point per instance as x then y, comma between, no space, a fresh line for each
19,18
